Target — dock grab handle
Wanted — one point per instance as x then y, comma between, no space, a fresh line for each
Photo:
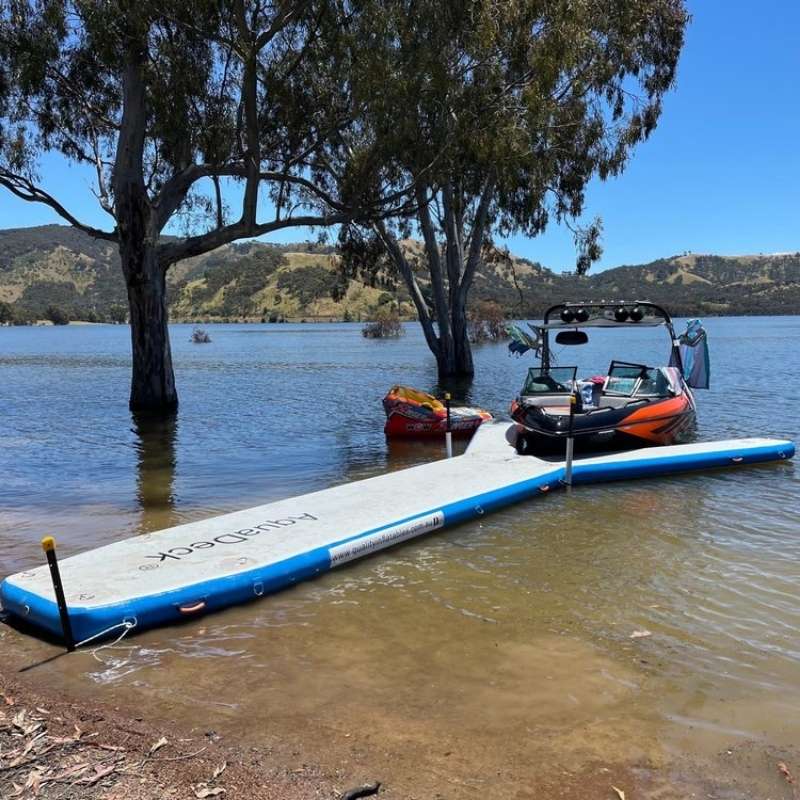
192,608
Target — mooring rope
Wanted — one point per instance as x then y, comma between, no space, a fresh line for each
127,625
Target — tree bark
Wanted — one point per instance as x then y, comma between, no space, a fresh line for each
462,365
152,378
454,353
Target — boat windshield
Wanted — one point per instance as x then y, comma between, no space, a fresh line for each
635,379
555,380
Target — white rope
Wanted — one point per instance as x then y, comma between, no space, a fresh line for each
126,625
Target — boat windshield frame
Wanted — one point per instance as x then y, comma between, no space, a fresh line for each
605,319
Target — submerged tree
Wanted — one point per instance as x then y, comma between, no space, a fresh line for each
169,101
499,114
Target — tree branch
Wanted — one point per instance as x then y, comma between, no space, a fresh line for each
175,190
476,234
26,190
281,20
103,196
197,245
218,198
434,262
249,103
404,268
454,247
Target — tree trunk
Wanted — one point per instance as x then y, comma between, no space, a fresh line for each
152,380
454,355
463,350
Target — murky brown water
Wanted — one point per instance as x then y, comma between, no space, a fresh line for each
493,659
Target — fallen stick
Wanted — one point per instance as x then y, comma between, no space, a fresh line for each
366,790
181,757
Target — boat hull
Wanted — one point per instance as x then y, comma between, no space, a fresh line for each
659,423
400,426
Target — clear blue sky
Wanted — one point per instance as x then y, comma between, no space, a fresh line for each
720,174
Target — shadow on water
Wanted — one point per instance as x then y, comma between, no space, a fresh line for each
156,461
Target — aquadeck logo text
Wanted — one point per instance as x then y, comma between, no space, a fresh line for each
235,537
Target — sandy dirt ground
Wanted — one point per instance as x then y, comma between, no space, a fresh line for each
54,747
51,747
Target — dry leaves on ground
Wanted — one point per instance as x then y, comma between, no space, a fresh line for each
31,758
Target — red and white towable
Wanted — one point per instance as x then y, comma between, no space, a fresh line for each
411,413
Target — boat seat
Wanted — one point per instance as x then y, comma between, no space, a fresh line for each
549,403
609,401
558,405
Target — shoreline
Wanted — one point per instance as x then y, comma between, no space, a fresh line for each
53,744
59,743
310,319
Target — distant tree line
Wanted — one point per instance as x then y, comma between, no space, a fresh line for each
232,285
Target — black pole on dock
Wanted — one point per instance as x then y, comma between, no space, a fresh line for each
49,547
448,431
570,441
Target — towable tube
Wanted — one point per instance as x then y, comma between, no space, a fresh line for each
160,578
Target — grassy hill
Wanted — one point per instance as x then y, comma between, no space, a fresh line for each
57,266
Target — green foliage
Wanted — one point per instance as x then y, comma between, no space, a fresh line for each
16,243
509,110
6,313
238,278
308,283
118,313
540,96
386,325
38,297
56,315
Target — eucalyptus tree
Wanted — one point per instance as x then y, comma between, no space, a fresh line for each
499,114
181,108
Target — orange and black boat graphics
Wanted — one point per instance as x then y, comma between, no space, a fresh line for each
634,405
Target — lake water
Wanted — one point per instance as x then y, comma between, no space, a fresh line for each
493,659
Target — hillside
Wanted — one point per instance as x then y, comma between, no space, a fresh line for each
57,266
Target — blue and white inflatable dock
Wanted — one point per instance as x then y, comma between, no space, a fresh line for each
159,578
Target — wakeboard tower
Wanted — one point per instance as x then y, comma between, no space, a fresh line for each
632,405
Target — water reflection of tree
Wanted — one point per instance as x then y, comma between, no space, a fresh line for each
460,389
155,469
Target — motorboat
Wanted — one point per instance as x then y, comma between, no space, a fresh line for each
630,405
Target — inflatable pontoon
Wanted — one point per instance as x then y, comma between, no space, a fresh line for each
160,578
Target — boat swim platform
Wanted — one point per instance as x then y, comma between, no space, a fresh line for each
163,577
